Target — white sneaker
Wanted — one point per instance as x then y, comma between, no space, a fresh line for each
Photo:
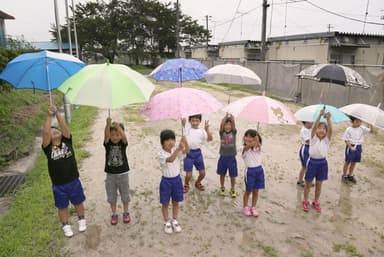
176,226
82,225
68,230
168,227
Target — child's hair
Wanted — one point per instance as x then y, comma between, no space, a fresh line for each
228,120
167,134
253,133
196,116
352,118
113,127
325,125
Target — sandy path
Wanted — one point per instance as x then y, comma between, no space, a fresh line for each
352,219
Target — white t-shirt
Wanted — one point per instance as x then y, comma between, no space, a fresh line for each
318,149
195,137
305,134
355,136
252,158
170,169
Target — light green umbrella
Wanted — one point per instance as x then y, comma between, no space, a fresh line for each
107,86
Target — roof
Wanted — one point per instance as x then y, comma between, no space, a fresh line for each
6,16
204,46
331,34
51,45
239,42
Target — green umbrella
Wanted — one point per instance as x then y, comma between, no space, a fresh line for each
107,86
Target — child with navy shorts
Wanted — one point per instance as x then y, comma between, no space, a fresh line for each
116,168
227,159
171,184
195,137
317,165
254,174
354,138
62,168
305,135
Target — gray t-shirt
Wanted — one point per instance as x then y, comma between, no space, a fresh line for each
228,143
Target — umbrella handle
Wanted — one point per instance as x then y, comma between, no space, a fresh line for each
109,113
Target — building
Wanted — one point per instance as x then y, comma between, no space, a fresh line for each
3,35
203,52
53,46
240,51
328,47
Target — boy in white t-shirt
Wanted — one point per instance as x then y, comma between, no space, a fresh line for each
354,138
171,185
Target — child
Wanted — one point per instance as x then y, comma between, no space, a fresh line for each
116,167
62,168
354,137
171,185
227,160
254,176
305,135
317,166
195,137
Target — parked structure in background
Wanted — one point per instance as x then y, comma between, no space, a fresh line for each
3,35
243,50
328,47
53,46
202,52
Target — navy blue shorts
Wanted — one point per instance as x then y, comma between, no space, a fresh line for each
227,163
194,158
304,154
171,188
317,168
353,156
254,179
72,191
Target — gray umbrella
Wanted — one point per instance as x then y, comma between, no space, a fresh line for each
334,73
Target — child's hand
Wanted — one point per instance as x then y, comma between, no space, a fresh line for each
322,111
109,121
206,125
352,148
52,110
183,122
328,115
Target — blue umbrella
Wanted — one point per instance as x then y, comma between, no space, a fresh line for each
179,70
311,112
43,70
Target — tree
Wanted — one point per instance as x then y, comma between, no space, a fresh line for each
137,28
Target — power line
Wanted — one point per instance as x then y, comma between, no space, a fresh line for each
343,16
230,25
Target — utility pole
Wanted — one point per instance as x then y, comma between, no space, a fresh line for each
206,23
329,26
68,27
177,30
57,26
263,31
74,30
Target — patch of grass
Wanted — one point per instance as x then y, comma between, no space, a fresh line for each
307,254
31,227
348,248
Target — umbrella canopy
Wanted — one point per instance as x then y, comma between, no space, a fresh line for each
311,112
107,86
368,113
43,70
232,74
179,70
334,73
179,103
261,109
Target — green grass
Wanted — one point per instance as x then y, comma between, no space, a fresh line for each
348,248
31,227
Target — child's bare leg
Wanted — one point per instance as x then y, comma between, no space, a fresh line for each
307,188
164,210
351,168
318,190
345,168
302,172
188,176
201,176
222,180
245,198
113,208
233,183
255,196
80,210
175,209
125,207
63,215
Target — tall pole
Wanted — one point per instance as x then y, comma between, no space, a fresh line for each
206,23
74,30
177,30
57,26
68,27
263,31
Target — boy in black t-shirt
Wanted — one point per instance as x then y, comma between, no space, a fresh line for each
62,168
116,168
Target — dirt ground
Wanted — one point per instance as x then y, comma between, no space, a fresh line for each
351,222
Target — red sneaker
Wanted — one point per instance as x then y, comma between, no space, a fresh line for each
306,205
316,206
126,217
114,219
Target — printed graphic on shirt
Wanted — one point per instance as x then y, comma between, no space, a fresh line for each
60,152
228,139
115,157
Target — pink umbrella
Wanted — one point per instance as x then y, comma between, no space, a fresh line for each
261,109
180,103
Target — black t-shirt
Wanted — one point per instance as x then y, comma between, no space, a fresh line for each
115,157
62,164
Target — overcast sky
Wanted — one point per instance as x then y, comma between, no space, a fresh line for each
33,20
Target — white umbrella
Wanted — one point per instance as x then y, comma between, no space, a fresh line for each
232,74
368,113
